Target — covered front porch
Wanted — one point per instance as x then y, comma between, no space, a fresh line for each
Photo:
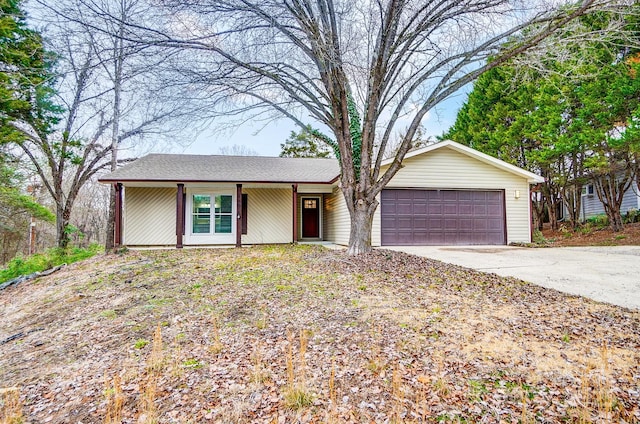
208,214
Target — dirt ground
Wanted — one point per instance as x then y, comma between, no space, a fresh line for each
302,334
629,236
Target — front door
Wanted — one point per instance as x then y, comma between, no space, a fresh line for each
310,217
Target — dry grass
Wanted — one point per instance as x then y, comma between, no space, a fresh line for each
10,406
115,401
297,394
387,338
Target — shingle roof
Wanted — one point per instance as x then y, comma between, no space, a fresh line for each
214,168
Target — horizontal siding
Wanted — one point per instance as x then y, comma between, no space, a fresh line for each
630,199
337,223
448,169
149,216
591,205
269,216
376,226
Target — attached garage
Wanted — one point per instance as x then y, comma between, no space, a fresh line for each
442,217
443,194
450,194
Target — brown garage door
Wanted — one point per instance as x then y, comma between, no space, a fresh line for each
442,217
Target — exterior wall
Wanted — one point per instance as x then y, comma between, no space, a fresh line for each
447,168
269,216
336,218
591,205
149,216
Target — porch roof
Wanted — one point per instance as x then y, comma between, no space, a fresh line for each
217,168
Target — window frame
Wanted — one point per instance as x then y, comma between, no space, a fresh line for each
211,237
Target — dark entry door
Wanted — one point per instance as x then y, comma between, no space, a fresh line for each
310,217
442,217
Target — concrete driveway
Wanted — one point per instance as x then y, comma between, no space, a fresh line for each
607,274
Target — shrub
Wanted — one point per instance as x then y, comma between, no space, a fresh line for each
599,221
42,261
538,238
632,215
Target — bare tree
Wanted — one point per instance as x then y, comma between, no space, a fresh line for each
396,59
129,94
90,214
237,150
65,159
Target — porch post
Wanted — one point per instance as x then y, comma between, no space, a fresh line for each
179,215
117,238
238,215
294,188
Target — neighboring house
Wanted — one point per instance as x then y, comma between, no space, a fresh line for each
446,194
592,206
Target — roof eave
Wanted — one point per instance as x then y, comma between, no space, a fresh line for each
483,157
176,181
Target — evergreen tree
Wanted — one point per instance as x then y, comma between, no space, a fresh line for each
25,89
567,122
24,96
305,144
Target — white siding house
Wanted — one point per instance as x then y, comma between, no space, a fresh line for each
445,193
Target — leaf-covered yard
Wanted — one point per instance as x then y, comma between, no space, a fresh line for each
304,334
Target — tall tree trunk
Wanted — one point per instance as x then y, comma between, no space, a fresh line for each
119,56
63,218
610,188
538,214
572,199
607,192
111,218
553,216
550,195
361,225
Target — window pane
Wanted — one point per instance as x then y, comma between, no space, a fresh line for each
223,204
201,204
223,224
201,224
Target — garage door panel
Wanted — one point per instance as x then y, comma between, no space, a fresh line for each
388,208
450,224
388,223
404,195
479,210
495,224
404,223
449,195
404,208
435,237
466,224
465,209
420,237
494,210
434,209
480,224
434,223
419,224
465,196
420,208
442,217
450,209
479,196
